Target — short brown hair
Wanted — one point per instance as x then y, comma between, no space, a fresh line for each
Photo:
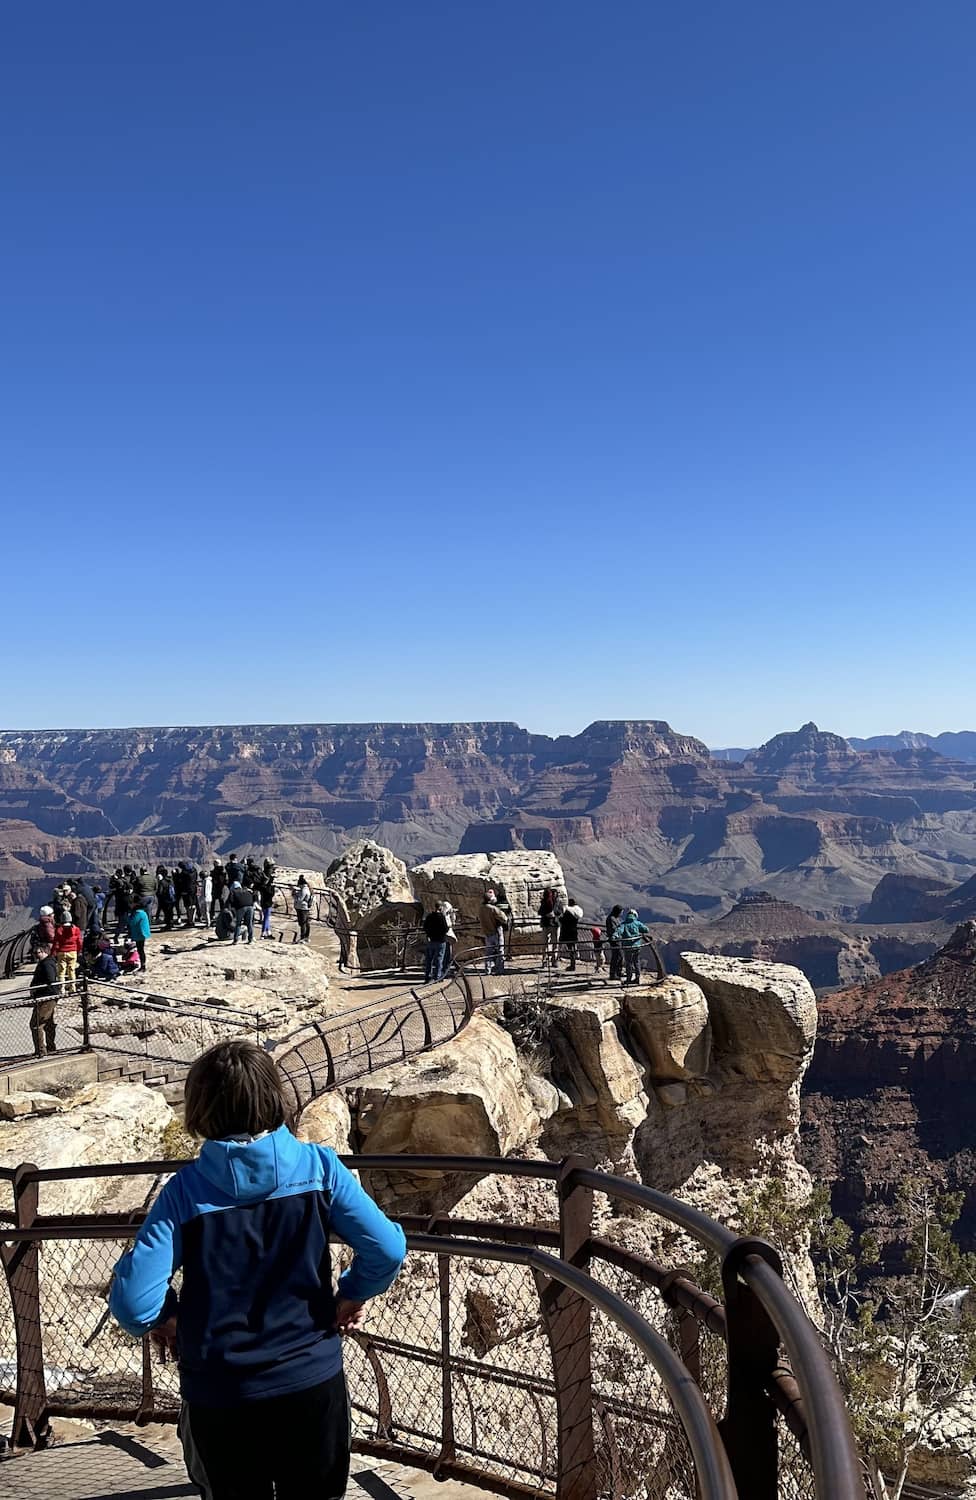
233,1088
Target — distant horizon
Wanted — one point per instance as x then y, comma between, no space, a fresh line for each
744,743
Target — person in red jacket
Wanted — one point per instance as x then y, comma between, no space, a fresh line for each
67,949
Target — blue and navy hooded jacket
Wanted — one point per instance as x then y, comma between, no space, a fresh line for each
249,1223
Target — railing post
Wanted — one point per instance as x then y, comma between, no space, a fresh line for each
352,949
448,1451
86,1045
748,1428
568,1319
21,1264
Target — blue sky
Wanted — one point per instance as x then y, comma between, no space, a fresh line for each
547,361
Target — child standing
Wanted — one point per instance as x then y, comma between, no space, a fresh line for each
256,1326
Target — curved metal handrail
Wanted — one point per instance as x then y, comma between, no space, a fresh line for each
358,1042
712,1469
809,1395
14,951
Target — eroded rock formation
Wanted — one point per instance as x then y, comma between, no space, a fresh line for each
889,1094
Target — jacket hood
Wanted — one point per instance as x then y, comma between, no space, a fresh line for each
250,1169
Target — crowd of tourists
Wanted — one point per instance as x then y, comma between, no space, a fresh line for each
86,930
616,943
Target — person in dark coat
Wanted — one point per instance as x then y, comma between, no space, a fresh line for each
218,889
45,990
242,903
435,954
165,896
614,918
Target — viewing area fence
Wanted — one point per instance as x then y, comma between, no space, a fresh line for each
532,1357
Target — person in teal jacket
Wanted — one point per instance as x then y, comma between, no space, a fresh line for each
257,1323
139,929
630,935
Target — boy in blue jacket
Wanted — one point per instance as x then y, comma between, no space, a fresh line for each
256,1326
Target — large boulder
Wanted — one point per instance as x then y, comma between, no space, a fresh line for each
764,1016
464,1099
101,1122
669,1022
366,875
328,1121
601,1077
463,879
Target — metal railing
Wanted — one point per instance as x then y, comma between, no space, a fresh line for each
117,1019
329,1054
15,951
527,1358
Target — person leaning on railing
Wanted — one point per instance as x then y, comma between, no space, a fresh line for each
630,935
44,990
256,1325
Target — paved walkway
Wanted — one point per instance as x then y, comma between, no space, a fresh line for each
146,1463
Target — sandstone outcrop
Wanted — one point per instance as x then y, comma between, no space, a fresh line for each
463,879
102,1122
366,876
691,1086
466,1098
670,1024
763,1016
328,1120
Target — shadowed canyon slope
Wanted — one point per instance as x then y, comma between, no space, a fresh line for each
890,1092
635,810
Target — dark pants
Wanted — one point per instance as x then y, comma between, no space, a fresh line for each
169,912
141,950
304,926
293,1447
435,960
632,960
616,961
244,917
121,919
191,910
42,1019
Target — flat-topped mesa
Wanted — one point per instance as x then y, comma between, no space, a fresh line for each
609,739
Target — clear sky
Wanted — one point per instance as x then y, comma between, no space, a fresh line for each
446,359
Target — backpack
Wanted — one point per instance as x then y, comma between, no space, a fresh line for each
224,925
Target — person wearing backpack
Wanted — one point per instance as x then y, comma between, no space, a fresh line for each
139,932
218,889
265,892
614,918
569,930
242,903
631,934
303,909
166,896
